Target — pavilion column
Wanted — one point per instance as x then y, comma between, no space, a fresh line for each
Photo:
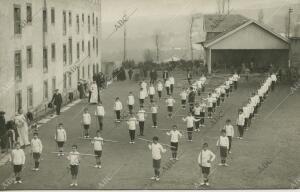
208,60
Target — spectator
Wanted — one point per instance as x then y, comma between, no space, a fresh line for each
57,101
22,128
3,132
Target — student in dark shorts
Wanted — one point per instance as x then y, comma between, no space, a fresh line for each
74,158
98,143
18,161
156,149
223,144
204,160
60,138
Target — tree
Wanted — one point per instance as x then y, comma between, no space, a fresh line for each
158,43
148,55
260,16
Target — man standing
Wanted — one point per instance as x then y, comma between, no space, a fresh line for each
57,101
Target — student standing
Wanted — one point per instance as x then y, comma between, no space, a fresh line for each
175,136
170,104
172,83
202,113
167,86
18,161
160,88
210,105
99,113
229,133
132,122
118,108
223,144
86,122
97,142
204,160
156,149
197,110
60,137
36,149
151,92
154,109
74,159
191,98
190,125
141,120
130,102
165,75
183,96
240,122
142,96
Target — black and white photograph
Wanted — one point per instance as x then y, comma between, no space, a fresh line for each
149,95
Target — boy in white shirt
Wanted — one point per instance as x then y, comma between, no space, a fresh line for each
142,97
223,143
160,88
97,142
170,103
60,137
236,77
130,102
274,80
18,160
183,96
204,161
151,92
156,149
240,122
197,110
141,120
167,86
74,159
214,101
36,149
209,105
172,83
190,125
86,122
154,109
229,133
202,113
118,108
99,113
132,122
223,92
203,79
175,136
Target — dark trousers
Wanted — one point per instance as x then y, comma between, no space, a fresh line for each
230,141
132,135
118,114
202,115
197,123
241,130
58,109
151,98
159,94
190,133
141,124
141,102
36,157
168,90
100,121
171,88
235,84
154,119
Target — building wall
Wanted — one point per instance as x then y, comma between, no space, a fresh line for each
32,35
295,52
251,37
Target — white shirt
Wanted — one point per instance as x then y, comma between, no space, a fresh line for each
204,156
130,100
100,111
143,94
159,86
156,150
210,101
223,142
36,145
97,142
203,79
199,84
197,110
141,115
246,112
172,80
235,77
144,85
151,90
132,122
118,106
183,95
60,135
189,121
86,119
241,119
18,156
273,77
229,130
154,109
74,158
170,102
167,83
223,87
175,135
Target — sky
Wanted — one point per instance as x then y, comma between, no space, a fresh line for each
112,10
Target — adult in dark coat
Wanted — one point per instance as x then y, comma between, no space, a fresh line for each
130,72
57,101
80,88
153,76
165,75
3,133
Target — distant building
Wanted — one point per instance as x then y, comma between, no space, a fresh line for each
46,45
234,41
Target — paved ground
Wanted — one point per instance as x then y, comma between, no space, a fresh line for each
267,158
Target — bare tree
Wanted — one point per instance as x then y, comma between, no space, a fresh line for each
260,16
191,38
158,43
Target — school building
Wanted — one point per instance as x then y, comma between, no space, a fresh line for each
234,42
46,45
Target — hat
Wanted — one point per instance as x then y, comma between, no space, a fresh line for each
2,112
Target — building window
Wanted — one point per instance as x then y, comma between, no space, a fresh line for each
64,23
53,84
70,79
97,66
89,71
97,48
28,13
78,51
82,46
17,19
45,20
18,100
29,97
45,90
77,23
89,48
78,73
82,18
64,54
29,56
89,24
53,51
93,43
83,72
93,19
70,18
18,65
70,51
97,24
52,15
65,81
94,69
45,60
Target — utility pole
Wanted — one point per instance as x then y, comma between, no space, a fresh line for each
289,22
228,7
125,36
191,41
